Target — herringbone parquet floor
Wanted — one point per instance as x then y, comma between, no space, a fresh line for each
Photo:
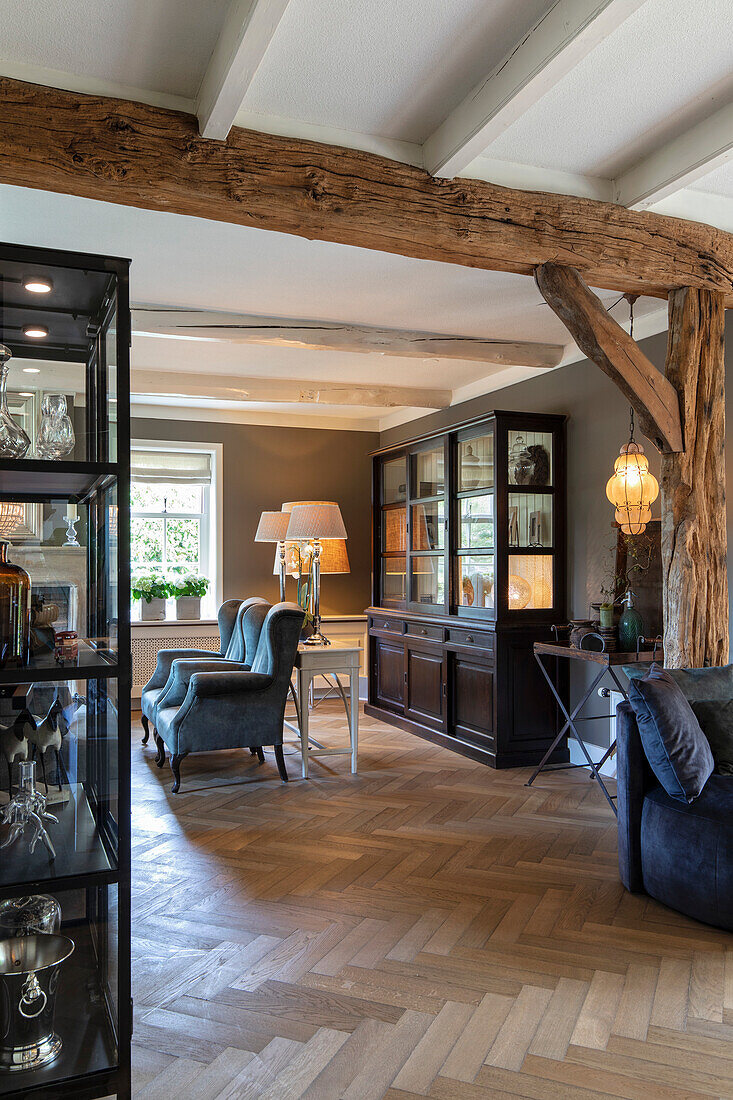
426,928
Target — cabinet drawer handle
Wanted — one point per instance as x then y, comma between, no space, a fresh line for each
386,626
423,631
469,637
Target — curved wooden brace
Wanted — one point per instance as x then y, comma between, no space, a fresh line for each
652,397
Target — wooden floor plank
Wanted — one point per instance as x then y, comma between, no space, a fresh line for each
428,927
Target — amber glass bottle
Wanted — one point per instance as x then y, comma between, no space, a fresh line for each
15,612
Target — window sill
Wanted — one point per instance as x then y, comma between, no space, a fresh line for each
173,622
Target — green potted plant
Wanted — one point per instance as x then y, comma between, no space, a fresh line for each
189,590
152,591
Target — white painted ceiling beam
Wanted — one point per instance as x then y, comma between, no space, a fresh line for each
244,38
679,163
562,38
246,328
224,387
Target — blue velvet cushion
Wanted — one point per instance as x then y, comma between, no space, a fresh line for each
704,683
716,720
675,746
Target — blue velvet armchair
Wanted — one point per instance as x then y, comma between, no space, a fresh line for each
680,853
228,708
239,635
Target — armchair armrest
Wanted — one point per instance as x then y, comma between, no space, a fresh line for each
176,686
206,684
633,779
166,657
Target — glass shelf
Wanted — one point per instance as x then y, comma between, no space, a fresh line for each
38,480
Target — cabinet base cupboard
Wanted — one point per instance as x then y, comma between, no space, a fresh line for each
469,572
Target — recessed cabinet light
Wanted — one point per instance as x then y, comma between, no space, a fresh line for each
26,394
31,370
36,332
38,284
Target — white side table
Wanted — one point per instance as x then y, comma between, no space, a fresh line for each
332,660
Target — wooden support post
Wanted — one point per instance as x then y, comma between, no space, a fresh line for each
694,537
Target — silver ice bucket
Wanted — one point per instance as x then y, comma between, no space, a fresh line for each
29,978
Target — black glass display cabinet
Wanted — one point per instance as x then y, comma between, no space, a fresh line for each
64,511
468,572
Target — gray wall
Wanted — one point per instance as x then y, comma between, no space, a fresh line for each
264,466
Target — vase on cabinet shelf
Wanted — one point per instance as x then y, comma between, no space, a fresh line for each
15,612
14,443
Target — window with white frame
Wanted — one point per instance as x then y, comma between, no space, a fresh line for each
173,513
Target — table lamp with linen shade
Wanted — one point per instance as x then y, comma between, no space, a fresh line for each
334,558
316,523
273,527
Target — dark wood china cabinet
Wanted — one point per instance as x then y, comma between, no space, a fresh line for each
468,572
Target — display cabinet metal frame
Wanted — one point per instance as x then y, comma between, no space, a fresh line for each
92,867
460,671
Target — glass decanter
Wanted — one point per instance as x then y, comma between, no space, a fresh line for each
55,437
14,443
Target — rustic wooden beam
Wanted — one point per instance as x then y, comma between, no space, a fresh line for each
226,387
138,155
652,397
694,536
251,328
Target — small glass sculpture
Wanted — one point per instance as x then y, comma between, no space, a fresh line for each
55,437
14,443
28,807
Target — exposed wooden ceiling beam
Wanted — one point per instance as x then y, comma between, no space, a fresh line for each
242,42
137,155
653,398
562,38
225,387
679,163
245,328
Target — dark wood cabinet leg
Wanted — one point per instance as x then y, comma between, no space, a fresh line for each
260,754
146,727
281,763
176,759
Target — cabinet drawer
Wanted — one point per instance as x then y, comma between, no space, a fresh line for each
425,630
387,626
482,638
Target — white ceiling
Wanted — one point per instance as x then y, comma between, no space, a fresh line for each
382,76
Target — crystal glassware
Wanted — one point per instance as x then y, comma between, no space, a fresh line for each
55,437
14,443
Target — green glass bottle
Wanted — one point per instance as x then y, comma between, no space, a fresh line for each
631,625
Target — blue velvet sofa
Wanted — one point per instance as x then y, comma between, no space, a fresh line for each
679,853
222,704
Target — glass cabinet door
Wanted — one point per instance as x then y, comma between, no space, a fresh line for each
393,519
427,527
475,524
530,520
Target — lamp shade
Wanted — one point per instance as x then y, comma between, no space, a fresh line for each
316,521
334,558
272,527
632,489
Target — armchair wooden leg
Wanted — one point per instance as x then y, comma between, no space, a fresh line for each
160,745
146,727
281,763
176,759
260,754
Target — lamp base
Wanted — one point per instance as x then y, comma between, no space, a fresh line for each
317,639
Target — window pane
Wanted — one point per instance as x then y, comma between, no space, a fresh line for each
147,498
476,581
183,543
477,523
427,580
530,458
428,473
476,463
182,498
146,538
394,480
394,530
530,581
394,573
428,526
530,519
